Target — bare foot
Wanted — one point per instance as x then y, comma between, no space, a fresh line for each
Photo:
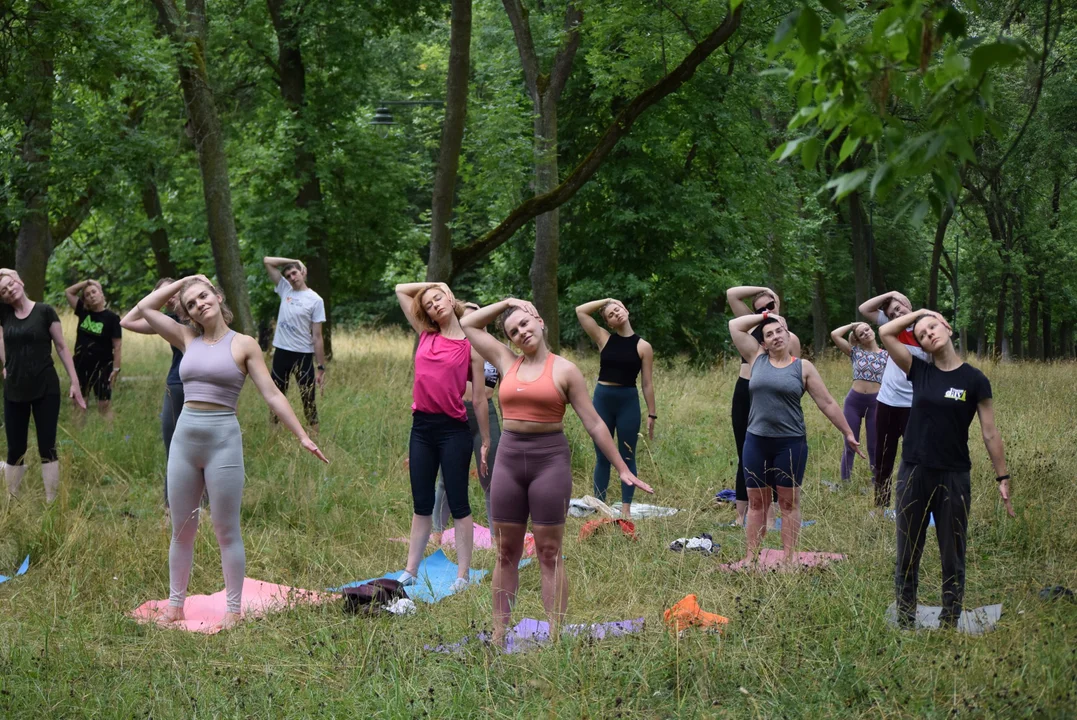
229,621
170,615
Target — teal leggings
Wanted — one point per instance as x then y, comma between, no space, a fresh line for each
618,406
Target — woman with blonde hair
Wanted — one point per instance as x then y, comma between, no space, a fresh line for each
869,362
440,436
207,447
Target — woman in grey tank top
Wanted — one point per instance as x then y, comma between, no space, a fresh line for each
776,447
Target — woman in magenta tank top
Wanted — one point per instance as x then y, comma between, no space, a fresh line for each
440,436
207,447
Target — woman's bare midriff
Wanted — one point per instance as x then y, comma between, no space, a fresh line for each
866,387
609,384
527,427
199,405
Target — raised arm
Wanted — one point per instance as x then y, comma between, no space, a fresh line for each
736,297
870,308
596,426
813,383
474,325
993,442
889,332
272,263
837,335
406,292
739,330
646,356
175,333
134,322
255,363
72,293
598,334
56,331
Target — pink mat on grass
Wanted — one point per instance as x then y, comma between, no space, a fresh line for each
770,559
483,539
203,612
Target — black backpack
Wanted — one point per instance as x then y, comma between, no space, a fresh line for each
372,597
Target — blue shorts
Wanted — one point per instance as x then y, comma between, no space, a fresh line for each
774,461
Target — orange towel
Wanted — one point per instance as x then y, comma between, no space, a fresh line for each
686,613
590,526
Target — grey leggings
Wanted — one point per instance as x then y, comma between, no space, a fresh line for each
441,508
206,454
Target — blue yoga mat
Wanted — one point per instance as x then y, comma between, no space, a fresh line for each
21,571
434,579
803,523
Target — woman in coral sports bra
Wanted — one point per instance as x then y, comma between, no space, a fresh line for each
533,474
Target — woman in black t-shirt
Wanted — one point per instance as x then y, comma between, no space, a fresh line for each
934,475
30,382
624,357
98,343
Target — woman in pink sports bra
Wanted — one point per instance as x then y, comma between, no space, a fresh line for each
207,448
533,476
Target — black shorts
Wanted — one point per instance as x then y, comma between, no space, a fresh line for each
96,377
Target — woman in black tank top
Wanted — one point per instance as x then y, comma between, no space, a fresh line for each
624,357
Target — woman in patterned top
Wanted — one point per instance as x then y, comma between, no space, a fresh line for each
868,365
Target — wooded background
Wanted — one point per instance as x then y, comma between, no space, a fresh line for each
657,151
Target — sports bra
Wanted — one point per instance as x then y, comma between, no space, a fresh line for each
210,373
868,365
535,401
489,373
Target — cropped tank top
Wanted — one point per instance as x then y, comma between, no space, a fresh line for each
869,365
619,361
776,393
210,374
536,401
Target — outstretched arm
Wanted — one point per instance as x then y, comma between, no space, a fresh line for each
838,336
596,332
72,293
273,263
646,355
813,383
255,364
870,308
596,428
56,331
736,297
474,326
993,442
739,330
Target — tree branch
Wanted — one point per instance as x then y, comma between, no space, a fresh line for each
525,45
684,23
74,217
562,62
621,125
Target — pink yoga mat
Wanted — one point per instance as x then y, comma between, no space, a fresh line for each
772,560
203,612
483,539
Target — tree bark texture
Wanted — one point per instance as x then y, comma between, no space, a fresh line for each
471,253
545,91
292,79
187,30
936,256
158,234
439,268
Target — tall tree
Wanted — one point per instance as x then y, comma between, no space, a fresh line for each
187,29
439,268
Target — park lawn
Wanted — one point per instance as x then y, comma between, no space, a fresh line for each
812,644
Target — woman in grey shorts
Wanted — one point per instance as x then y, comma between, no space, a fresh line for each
207,447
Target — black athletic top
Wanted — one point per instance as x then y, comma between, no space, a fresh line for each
620,362
28,353
757,333
177,357
93,341
943,405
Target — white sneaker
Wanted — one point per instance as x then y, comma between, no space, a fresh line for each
406,579
459,585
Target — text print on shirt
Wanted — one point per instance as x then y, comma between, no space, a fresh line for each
955,394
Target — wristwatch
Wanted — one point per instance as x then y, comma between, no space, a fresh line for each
322,368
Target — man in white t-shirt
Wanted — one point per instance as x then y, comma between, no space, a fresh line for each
895,394
297,342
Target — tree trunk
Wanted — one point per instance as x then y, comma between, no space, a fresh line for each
1065,337
1000,322
439,268
34,244
547,227
9,240
981,336
820,321
1045,303
1035,351
936,256
1018,319
292,77
858,232
158,235
187,30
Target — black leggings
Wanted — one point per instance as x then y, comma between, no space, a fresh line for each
285,362
439,440
890,425
46,412
742,406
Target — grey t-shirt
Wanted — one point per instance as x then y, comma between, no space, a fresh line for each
776,394
299,310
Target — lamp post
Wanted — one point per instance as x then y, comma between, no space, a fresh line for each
383,116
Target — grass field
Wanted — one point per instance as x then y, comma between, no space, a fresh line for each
802,645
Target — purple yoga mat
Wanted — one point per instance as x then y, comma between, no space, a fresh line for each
530,633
